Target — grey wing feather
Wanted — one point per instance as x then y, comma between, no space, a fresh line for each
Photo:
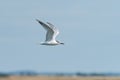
49,36
52,32
56,31
52,26
45,26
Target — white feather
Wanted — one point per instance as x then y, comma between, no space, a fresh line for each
51,34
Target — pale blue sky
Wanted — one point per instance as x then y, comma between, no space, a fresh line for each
90,30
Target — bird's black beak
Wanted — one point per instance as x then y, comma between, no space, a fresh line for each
62,43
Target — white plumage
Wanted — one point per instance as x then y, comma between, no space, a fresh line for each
51,34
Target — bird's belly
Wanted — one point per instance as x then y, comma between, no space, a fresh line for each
50,44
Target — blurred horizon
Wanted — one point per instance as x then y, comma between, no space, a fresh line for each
34,73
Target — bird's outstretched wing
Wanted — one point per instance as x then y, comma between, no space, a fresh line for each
52,32
56,31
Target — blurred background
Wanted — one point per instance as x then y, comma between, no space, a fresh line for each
89,28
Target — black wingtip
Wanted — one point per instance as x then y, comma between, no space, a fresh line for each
37,20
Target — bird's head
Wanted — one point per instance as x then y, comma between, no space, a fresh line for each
62,43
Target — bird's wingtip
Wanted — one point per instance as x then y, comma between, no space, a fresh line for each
37,20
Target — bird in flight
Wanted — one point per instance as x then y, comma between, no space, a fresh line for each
51,34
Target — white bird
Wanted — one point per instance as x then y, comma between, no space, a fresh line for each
51,34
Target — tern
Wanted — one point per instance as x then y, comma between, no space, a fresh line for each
52,33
